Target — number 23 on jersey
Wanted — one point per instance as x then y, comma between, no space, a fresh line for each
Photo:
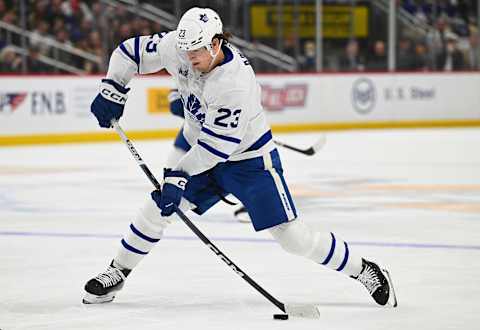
227,118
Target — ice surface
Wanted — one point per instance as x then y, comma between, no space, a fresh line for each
409,199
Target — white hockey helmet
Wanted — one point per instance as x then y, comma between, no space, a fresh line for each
197,27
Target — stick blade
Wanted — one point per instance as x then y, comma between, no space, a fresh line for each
306,311
320,143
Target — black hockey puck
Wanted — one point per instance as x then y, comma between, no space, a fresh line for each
280,316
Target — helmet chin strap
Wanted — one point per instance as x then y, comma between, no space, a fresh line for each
214,56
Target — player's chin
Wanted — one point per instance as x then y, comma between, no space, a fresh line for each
198,66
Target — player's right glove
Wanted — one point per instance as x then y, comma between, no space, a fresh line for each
109,103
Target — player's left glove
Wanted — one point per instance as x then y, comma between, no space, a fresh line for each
174,183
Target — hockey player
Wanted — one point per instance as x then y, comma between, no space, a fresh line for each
231,151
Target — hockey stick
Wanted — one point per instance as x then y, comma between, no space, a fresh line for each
308,311
309,151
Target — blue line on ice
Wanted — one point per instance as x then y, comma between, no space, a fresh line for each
239,239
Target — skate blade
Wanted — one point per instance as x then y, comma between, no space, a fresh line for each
242,215
392,300
244,220
90,299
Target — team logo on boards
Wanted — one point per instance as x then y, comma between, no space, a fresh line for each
9,102
364,95
289,96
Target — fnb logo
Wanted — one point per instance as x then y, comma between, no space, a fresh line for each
275,99
9,102
48,103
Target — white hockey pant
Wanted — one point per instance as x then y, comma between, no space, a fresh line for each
322,247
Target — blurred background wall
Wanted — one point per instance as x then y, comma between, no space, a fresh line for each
378,63
74,36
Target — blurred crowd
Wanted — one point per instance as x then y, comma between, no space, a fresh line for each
451,44
86,25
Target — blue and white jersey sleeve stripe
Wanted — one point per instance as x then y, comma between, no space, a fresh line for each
138,55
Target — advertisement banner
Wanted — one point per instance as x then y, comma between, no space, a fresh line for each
337,21
42,106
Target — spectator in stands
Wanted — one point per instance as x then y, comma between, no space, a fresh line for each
54,13
422,17
38,12
76,9
351,59
10,62
63,37
3,8
137,24
308,61
472,53
39,36
451,58
156,27
10,17
124,32
435,39
378,60
84,29
96,47
289,44
421,58
120,24
58,25
101,15
34,64
406,55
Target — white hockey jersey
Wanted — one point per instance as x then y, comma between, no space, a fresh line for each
224,118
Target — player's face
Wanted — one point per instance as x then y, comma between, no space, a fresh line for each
200,59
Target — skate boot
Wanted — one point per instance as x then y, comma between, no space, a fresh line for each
242,215
103,287
378,283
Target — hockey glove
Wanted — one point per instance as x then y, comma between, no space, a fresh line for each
109,103
174,183
176,104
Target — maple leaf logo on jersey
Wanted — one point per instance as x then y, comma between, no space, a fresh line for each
183,72
193,107
9,102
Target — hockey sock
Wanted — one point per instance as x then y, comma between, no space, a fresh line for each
141,237
324,248
144,232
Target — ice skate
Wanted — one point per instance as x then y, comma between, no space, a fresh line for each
242,215
103,287
378,283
